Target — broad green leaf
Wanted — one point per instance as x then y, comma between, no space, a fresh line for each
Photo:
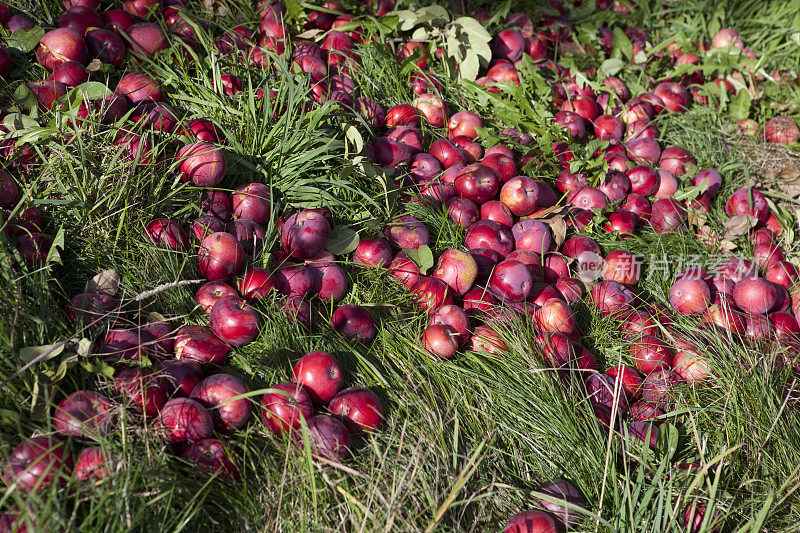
422,257
24,98
343,240
435,11
473,27
407,19
452,45
35,134
667,440
293,8
92,90
97,366
689,193
353,137
18,121
469,68
611,67
739,107
622,44
420,34
51,350
25,40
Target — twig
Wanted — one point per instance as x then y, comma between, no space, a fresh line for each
165,287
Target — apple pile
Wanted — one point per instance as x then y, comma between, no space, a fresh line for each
190,400
317,383
305,271
190,404
515,267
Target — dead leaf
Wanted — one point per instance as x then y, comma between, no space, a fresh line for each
106,282
787,182
310,34
155,317
739,225
548,213
94,65
727,246
558,226
788,174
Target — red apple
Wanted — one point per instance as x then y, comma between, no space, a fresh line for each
354,322
199,344
359,408
219,394
84,414
282,409
320,374
440,340
221,256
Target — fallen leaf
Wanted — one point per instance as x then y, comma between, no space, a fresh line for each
788,182
727,246
152,316
94,65
738,225
558,226
310,34
106,282
548,212
47,351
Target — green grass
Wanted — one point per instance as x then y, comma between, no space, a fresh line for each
466,443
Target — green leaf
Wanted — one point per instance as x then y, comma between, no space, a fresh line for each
420,34
473,27
353,137
407,19
483,51
500,11
18,121
343,240
35,134
689,193
97,366
24,98
435,11
25,40
54,255
739,108
469,68
611,67
622,44
451,45
422,257
92,90
52,350
39,401
293,8
667,440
